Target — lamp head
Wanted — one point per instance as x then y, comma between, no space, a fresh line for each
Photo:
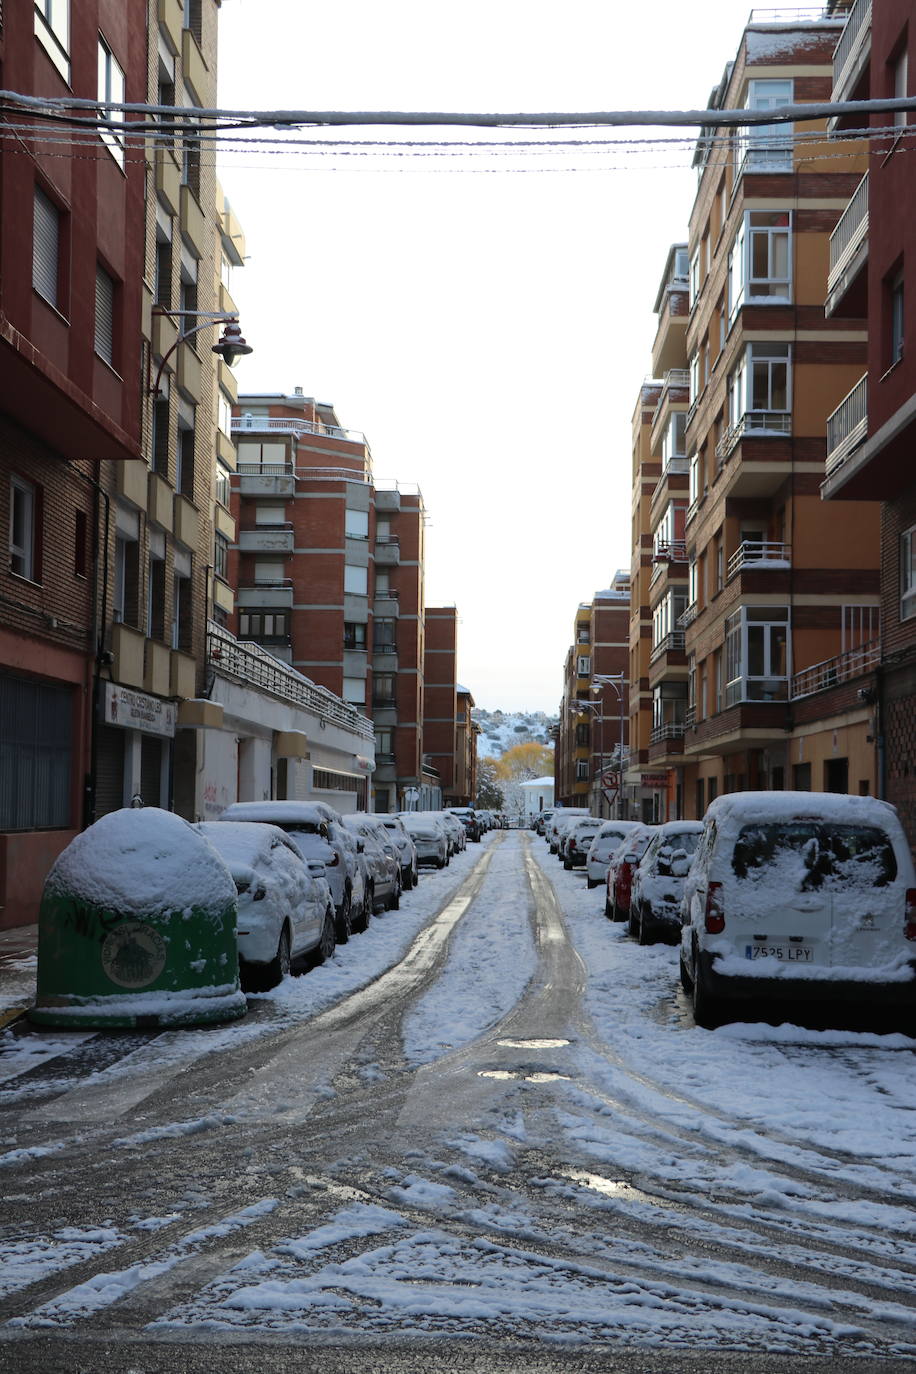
232,346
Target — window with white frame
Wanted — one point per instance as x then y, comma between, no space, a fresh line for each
693,478
896,319
270,571
52,29
908,573
694,377
673,437
356,524
221,485
766,147
665,616
901,74
224,412
354,690
46,248
695,280
759,260
111,92
384,742
356,580
582,770
681,264
104,333
668,535
757,654
269,513
23,542
583,666
693,582
759,384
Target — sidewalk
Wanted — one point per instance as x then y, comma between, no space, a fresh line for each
17,971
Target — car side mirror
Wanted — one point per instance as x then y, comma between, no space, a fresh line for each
631,858
679,866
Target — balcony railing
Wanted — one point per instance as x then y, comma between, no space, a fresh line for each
290,424
756,422
832,671
688,616
846,51
850,232
670,551
670,729
690,718
673,642
265,470
249,663
847,426
757,554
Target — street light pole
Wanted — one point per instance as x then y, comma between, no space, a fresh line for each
618,682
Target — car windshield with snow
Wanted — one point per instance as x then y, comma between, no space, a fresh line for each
658,882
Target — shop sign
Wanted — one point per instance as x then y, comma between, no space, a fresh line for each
654,779
137,710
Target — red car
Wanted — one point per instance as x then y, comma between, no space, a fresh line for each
620,872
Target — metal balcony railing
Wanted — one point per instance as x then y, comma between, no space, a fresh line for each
254,666
673,642
670,551
669,729
850,232
848,425
290,424
760,423
846,50
265,470
757,554
832,671
688,616
690,718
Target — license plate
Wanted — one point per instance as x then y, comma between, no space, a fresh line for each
790,954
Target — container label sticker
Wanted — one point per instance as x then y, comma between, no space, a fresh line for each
133,955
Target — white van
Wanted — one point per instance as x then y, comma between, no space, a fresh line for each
799,897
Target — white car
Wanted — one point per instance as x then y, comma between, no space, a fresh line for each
577,840
285,909
799,898
428,834
457,835
380,859
658,882
317,832
609,838
407,850
559,818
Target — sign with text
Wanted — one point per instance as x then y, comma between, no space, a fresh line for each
137,710
654,779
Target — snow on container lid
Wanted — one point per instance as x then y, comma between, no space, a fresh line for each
143,861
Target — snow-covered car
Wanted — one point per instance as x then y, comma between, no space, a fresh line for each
542,821
658,882
799,897
620,869
561,817
315,829
468,817
380,858
609,837
577,841
285,909
405,847
457,835
428,834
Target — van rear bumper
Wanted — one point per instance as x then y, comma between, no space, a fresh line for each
810,991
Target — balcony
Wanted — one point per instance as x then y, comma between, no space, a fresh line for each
688,616
667,730
744,689
292,424
673,643
754,457
278,595
267,539
757,555
266,479
833,671
386,500
670,551
666,742
847,287
850,61
847,426
752,422
387,551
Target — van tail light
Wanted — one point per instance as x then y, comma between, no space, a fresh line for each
715,916
909,914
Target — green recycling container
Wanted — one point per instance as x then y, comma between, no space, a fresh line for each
137,927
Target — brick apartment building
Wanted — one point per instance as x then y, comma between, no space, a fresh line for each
592,731
329,572
779,588
870,436
71,269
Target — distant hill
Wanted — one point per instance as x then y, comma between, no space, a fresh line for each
499,730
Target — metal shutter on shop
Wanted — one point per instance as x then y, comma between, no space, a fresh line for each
45,247
109,769
151,770
36,754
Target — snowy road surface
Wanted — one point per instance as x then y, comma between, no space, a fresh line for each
486,1135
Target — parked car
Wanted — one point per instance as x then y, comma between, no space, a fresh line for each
609,837
316,830
406,849
563,822
469,819
285,910
542,820
428,834
457,835
658,882
620,871
558,819
381,861
577,840
799,898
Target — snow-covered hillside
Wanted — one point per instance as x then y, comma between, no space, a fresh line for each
499,730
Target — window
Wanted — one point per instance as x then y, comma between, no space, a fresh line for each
896,319
758,386
36,747
221,558
756,654
46,248
221,487
104,316
673,437
162,281
356,580
52,29
693,487
265,514
224,413
665,617
24,529
80,544
766,147
583,735
694,377
694,278
384,743
264,625
269,571
583,666
111,92
584,634
126,602
354,690
354,635
155,595
582,770
385,636
193,18
383,689
908,573
184,460
160,438
356,524
181,612
900,87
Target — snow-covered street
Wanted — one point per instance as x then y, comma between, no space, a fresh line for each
488,1124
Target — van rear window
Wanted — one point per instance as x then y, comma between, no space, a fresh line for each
815,855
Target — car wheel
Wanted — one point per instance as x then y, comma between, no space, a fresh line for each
646,931
365,913
567,865
608,908
407,882
686,980
280,964
708,1010
345,919
593,882
619,915
328,941
440,863
414,877
395,900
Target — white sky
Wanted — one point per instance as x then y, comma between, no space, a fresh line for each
487,330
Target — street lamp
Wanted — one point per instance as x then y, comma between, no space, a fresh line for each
231,345
596,708
618,682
